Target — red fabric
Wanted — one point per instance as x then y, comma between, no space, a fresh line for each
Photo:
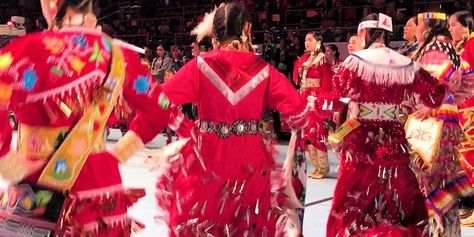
211,167
316,130
34,59
372,151
468,53
322,71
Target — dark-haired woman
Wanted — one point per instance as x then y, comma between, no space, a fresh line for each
63,85
460,27
411,46
312,73
439,176
332,56
376,192
224,181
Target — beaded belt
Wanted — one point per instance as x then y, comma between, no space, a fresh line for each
311,83
224,130
373,111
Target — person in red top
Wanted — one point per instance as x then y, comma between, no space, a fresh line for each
376,192
312,74
63,85
225,181
332,56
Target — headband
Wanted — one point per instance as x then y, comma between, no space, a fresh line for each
384,22
432,16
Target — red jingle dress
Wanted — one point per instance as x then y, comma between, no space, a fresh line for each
377,193
225,182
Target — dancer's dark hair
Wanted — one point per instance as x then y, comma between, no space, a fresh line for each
437,27
229,21
373,34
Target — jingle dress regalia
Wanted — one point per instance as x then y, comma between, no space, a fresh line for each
441,179
313,74
62,87
225,182
376,193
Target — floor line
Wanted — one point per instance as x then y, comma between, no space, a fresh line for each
318,202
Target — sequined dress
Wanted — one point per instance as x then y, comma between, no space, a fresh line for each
226,181
377,193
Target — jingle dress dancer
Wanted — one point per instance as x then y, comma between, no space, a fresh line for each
461,25
62,85
313,74
377,193
440,176
225,181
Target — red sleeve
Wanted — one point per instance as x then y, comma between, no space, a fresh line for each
184,87
431,91
326,76
296,75
468,53
151,106
283,97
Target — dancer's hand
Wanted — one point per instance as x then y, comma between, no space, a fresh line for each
14,167
311,102
423,113
407,107
157,158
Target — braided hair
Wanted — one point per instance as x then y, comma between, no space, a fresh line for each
374,34
437,27
229,22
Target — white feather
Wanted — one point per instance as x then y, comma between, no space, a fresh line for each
204,28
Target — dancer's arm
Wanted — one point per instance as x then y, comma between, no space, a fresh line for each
150,104
284,98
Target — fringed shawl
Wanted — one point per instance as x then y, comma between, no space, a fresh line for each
382,66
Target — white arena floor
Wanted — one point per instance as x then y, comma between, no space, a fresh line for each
318,197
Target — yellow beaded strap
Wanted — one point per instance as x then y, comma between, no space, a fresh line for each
64,167
432,16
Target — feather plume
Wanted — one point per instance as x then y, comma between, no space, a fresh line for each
204,28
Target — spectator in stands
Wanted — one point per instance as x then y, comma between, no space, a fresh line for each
196,49
283,57
177,57
164,28
148,57
354,44
161,63
269,48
